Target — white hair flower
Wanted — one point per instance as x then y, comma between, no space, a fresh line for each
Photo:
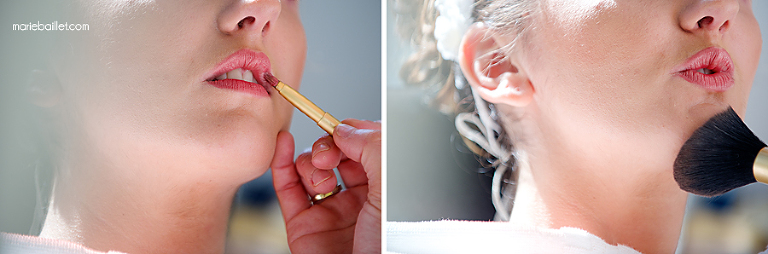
454,20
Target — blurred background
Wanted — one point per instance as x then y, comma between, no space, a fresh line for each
344,57
424,183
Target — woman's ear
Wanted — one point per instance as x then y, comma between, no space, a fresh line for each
44,89
493,74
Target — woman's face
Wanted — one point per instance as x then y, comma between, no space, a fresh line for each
614,84
138,87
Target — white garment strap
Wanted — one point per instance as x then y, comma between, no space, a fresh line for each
486,136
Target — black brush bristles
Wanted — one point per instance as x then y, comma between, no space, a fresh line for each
718,157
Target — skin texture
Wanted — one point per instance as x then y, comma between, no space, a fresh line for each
151,155
597,114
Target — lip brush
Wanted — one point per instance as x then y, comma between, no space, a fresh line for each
323,119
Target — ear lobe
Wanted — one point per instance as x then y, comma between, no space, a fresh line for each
490,71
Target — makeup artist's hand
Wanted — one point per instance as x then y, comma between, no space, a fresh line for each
349,221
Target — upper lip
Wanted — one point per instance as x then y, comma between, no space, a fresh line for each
246,59
714,60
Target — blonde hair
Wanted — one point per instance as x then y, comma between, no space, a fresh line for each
427,68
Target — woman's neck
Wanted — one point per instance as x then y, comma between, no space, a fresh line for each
647,217
106,213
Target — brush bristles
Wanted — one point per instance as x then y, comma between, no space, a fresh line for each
718,157
270,80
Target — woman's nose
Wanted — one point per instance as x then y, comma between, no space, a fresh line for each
253,17
711,17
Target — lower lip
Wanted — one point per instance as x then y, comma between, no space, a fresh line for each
241,86
716,82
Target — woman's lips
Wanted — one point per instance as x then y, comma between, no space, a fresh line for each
711,69
242,72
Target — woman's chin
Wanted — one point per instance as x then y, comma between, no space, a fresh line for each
240,165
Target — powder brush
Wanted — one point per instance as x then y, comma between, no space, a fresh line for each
720,156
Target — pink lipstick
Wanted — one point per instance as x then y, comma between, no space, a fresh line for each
241,72
711,69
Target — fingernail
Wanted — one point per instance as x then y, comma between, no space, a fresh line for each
344,130
320,176
322,146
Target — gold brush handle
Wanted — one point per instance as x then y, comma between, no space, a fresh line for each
760,169
322,118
